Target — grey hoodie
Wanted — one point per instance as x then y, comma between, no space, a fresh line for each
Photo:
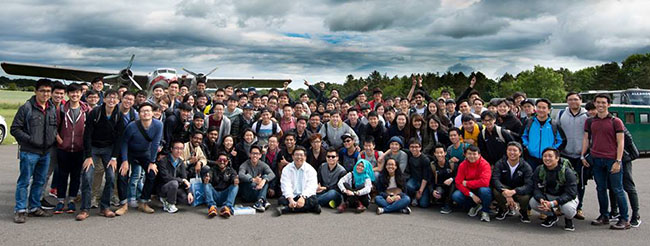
574,128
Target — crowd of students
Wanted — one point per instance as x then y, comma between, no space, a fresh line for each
319,151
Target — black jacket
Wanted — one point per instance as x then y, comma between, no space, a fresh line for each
429,140
521,181
566,192
492,147
238,125
103,132
379,133
510,122
167,172
174,128
34,129
221,180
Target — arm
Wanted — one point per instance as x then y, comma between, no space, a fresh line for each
285,183
496,178
460,177
570,188
367,187
352,96
343,180
537,192
243,175
125,143
88,131
268,174
18,125
168,130
158,132
311,183
527,188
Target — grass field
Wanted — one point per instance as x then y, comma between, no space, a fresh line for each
9,103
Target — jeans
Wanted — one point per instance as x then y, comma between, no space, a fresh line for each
69,167
466,202
101,156
248,194
602,175
122,185
221,198
32,167
135,183
173,193
52,169
630,189
395,206
324,198
412,187
569,209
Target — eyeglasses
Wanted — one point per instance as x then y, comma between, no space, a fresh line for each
178,148
44,91
331,156
256,153
222,160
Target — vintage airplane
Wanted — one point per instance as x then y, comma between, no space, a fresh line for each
126,76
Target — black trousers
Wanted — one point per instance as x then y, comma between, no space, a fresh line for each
311,203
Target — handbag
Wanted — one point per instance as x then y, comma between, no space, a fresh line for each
198,189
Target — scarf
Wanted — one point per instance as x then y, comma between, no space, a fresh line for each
473,134
360,178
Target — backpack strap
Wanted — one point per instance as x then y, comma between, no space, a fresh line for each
257,127
559,115
142,131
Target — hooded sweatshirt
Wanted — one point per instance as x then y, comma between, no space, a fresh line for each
477,174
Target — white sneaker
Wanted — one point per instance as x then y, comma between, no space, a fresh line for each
485,217
171,208
165,204
133,204
474,210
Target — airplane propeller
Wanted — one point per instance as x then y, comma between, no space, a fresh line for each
200,76
125,75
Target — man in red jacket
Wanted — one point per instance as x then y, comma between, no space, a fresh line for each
473,184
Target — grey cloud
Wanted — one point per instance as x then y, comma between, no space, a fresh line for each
194,8
458,67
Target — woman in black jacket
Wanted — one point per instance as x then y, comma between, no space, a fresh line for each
434,133
391,186
508,120
243,148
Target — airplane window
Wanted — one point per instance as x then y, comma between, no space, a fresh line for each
629,118
643,118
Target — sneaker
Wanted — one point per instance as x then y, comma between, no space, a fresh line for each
445,210
332,204
524,218
53,192
71,208
82,215
107,213
212,212
406,210
635,221
414,203
317,209
20,218
267,205
474,210
511,212
613,217
501,215
380,210
486,217
549,221
568,225
94,204
620,225
143,207
258,206
134,203
579,215
601,220
122,210
341,208
165,204
39,212
115,202
46,205
172,208
59,208
225,212
278,211
361,208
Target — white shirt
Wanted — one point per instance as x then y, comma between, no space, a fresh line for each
295,182
513,168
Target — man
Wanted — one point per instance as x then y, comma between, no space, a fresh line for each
512,183
329,174
473,184
98,86
541,132
193,155
126,108
555,186
255,177
299,183
217,119
302,135
419,169
527,111
121,90
221,186
92,98
572,121
104,128
140,147
200,87
354,122
493,139
314,123
377,98
333,130
57,99
232,110
420,106
287,122
129,115
349,153
265,127
286,154
34,128
376,130
450,106
471,129
242,121
157,94
172,92
177,125
464,109
171,181
604,138
140,98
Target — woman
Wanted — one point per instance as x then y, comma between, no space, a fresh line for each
228,146
316,155
390,186
400,127
272,157
381,109
434,109
416,127
356,186
507,119
243,148
435,133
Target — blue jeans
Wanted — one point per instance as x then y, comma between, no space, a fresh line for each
32,167
601,168
324,198
135,183
466,202
221,198
412,187
102,155
395,206
248,194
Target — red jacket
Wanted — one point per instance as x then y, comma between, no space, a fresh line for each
71,130
476,174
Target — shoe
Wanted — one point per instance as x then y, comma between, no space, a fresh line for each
267,205
134,203
107,213
39,212
414,203
165,204
474,210
579,215
53,192
542,216
601,220
341,208
524,218
94,204
406,210
225,212
568,225
380,210
258,206
46,205
613,217
332,204
172,208
122,210
212,211
361,208
635,221
549,221
82,215
20,218
278,211
501,215
317,209
511,212
620,225
143,207
71,208
485,217
445,210
59,208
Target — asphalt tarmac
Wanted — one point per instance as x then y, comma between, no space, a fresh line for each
190,226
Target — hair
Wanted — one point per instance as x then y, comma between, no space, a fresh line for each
332,149
128,93
463,101
184,107
516,144
488,113
555,151
290,134
467,118
590,106
385,177
91,92
43,83
158,86
187,98
455,129
314,114
414,141
173,82
303,118
369,139
543,100
299,147
571,93
218,103
473,148
315,136
57,85
439,146
353,110
248,130
144,104
110,92
73,87
213,128
142,92
97,79
335,112
518,94
599,95
196,132
175,141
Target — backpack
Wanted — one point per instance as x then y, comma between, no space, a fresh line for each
498,128
274,127
363,155
561,177
629,147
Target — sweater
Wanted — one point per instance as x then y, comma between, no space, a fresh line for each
333,134
247,171
330,178
477,174
133,141
573,127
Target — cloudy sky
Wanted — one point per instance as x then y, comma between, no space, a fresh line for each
323,39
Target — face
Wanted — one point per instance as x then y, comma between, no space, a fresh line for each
362,98
592,112
127,101
332,158
353,116
401,120
213,136
528,109
326,117
433,108
330,106
287,112
464,108
301,125
488,122
299,157
200,87
273,104
58,95
394,146
283,100
316,144
201,102
601,104
184,91
450,107
446,95
141,98
304,98
335,118
377,96
177,150
173,89
92,99
257,102
381,110
198,122
360,167
472,156
290,142
314,121
255,155
348,143
433,124
415,149
503,109
468,126
335,93
389,115
219,96
228,90
478,106
84,88
266,117
373,121
404,104
185,115
518,100
222,162
146,113
273,143
232,104
228,142
74,96
218,110
574,101
542,109
98,86
440,154
121,91
369,146
264,100
249,136
513,153
419,99
43,94
197,139
391,166
550,160
417,124
453,137
298,109
158,92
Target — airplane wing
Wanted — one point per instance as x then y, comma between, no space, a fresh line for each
56,72
243,83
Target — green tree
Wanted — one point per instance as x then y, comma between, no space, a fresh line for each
636,71
542,83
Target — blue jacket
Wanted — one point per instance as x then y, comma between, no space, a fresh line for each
540,137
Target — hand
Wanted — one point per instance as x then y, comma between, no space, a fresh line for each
59,140
193,159
300,202
472,82
469,141
261,184
349,193
585,163
476,199
464,183
420,80
322,86
616,167
236,181
358,149
187,183
152,167
87,163
292,203
285,85
320,189
511,202
306,82
390,199
364,88
112,164
256,180
124,169
436,194
418,195
448,181
453,159
508,193
233,153
197,167
413,81
190,198
397,198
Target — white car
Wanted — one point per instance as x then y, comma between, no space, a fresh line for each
3,129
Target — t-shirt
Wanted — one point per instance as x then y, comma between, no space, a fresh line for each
603,136
391,183
265,132
75,113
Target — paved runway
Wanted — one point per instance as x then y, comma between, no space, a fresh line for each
190,226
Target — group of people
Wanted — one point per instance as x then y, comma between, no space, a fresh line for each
320,151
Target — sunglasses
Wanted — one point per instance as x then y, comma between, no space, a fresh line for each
331,156
347,141
222,160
